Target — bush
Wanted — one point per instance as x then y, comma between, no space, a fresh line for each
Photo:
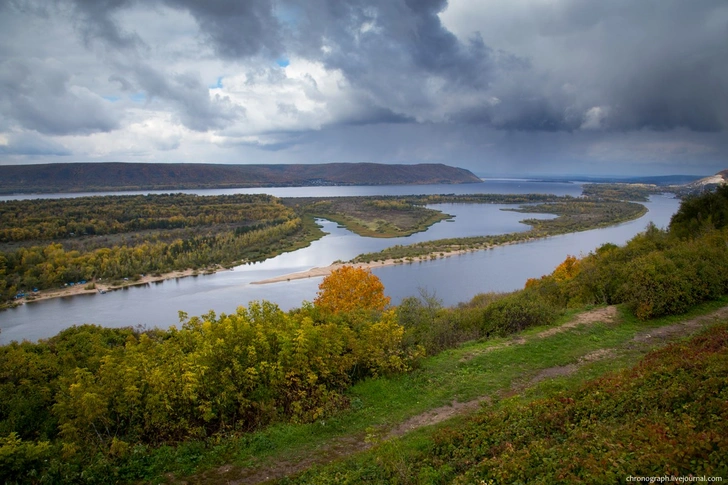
428,324
670,282
516,312
21,461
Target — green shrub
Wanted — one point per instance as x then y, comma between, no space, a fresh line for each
21,462
516,312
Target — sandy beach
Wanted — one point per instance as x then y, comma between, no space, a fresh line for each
326,270
101,286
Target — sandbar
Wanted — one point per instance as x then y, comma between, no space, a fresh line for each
102,287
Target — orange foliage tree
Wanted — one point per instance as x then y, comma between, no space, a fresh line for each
350,288
567,270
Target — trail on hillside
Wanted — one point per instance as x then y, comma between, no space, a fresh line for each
347,445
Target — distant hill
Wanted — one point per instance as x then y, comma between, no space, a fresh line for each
90,177
717,179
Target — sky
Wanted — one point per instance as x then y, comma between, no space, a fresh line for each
500,87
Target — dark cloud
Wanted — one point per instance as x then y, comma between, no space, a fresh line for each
690,91
236,29
40,96
197,110
655,64
559,76
396,51
95,21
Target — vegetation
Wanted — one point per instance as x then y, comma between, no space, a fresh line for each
350,289
370,216
573,215
90,177
79,222
666,416
635,192
92,392
699,214
51,243
95,405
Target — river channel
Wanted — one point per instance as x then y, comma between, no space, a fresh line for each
452,279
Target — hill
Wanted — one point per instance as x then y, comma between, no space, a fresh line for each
708,182
89,177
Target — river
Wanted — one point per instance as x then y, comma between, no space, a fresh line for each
452,279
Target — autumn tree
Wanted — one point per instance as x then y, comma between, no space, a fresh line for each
567,270
351,288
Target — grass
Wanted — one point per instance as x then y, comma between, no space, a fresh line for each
496,368
382,224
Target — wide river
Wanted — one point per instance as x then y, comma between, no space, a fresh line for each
452,279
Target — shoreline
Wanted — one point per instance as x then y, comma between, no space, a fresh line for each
102,288
317,272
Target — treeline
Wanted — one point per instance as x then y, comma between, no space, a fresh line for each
53,219
630,191
51,265
50,243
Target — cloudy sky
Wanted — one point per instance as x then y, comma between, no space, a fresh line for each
501,87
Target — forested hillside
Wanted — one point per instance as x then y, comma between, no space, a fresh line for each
91,177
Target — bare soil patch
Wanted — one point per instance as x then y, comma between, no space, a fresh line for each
437,415
603,315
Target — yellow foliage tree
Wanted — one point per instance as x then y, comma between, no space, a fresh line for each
567,270
351,288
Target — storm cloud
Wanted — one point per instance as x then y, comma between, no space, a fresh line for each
573,82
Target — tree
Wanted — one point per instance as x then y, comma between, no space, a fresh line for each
349,289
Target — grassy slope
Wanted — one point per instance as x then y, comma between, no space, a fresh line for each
516,366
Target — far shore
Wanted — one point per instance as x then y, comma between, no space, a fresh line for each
327,270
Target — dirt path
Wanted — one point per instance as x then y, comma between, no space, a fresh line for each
348,445
604,315
682,329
